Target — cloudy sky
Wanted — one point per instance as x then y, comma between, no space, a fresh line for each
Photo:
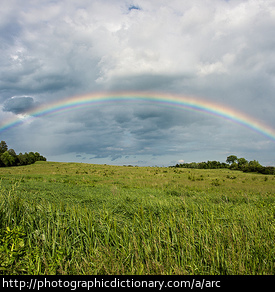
220,51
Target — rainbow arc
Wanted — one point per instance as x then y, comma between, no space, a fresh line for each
169,100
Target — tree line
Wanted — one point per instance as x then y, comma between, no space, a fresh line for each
232,162
8,157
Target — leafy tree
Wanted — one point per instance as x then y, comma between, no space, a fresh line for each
39,157
231,159
31,158
267,170
234,166
7,159
3,147
242,163
22,159
12,152
253,166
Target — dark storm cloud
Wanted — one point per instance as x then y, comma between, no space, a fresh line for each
19,104
121,130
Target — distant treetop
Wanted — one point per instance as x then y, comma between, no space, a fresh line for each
232,162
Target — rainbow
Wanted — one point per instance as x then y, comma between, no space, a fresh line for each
170,100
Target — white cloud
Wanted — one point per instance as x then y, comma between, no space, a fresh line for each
207,68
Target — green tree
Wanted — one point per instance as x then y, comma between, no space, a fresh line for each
7,159
231,159
22,159
254,166
31,158
3,147
39,157
242,163
12,152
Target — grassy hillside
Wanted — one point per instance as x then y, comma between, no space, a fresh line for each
72,218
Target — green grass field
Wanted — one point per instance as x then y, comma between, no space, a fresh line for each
73,218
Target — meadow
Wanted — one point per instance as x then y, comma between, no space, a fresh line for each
74,218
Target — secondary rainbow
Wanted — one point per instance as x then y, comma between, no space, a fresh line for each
170,100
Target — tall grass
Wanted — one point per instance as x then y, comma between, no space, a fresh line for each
136,231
